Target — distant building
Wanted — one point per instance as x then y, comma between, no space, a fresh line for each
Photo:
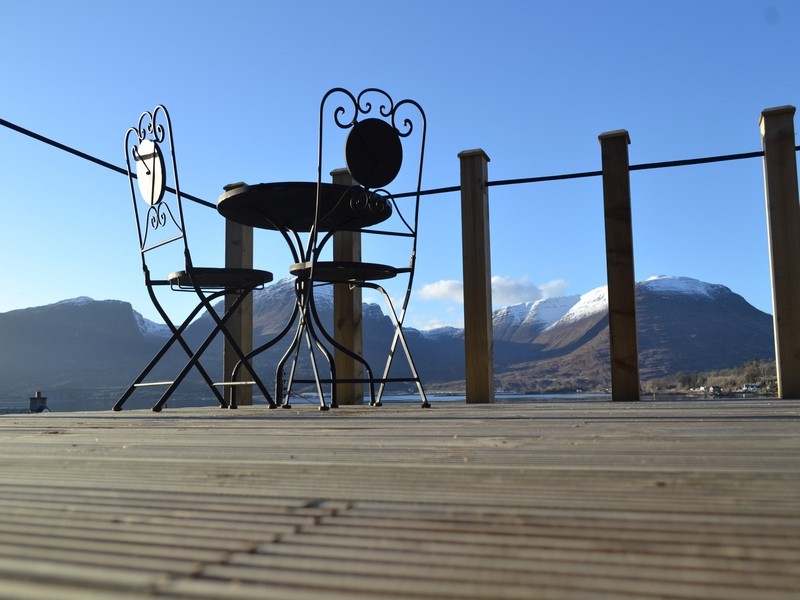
39,403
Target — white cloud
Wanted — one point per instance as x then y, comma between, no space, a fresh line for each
505,290
444,289
555,288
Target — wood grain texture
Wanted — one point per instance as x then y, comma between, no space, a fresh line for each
531,499
238,255
619,266
477,271
347,311
783,228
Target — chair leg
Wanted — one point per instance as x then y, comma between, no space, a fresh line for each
262,348
194,361
303,332
289,382
293,347
367,367
259,384
414,375
325,352
305,329
399,336
176,336
243,361
221,327
312,340
297,311
235,374
186,348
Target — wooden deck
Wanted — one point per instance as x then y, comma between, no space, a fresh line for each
579,500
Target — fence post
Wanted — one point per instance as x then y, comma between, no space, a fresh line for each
478,340
619,266
238,254
347,312
783,231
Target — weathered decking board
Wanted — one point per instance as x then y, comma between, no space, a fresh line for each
526,500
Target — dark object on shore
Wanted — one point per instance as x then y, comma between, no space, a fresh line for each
39,403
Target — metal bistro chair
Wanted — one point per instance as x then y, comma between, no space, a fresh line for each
378,133
150,158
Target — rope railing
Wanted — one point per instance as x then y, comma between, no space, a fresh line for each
781,197
698,161
430,192
90,158
586,174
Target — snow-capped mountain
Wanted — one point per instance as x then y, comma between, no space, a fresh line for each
669,284
146,326
526,320
596,300
588,304
94,349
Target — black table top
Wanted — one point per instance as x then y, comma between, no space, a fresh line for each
290,206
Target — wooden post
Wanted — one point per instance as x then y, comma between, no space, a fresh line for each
478,339
347,312
619,266
783,230
238,254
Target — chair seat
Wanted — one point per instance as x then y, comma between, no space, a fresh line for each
344,271
221,278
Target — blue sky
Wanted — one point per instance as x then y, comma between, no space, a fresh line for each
533,83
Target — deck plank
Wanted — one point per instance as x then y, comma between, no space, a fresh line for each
592,499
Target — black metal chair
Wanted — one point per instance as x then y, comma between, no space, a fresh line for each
379,134
159,212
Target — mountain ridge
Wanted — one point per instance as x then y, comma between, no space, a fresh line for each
91,350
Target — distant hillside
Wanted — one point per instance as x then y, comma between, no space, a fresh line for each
73,345
83,353
682,325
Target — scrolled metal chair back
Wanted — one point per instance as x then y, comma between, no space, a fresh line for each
385,141
150,160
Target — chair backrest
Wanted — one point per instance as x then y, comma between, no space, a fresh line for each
153,178
384,143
